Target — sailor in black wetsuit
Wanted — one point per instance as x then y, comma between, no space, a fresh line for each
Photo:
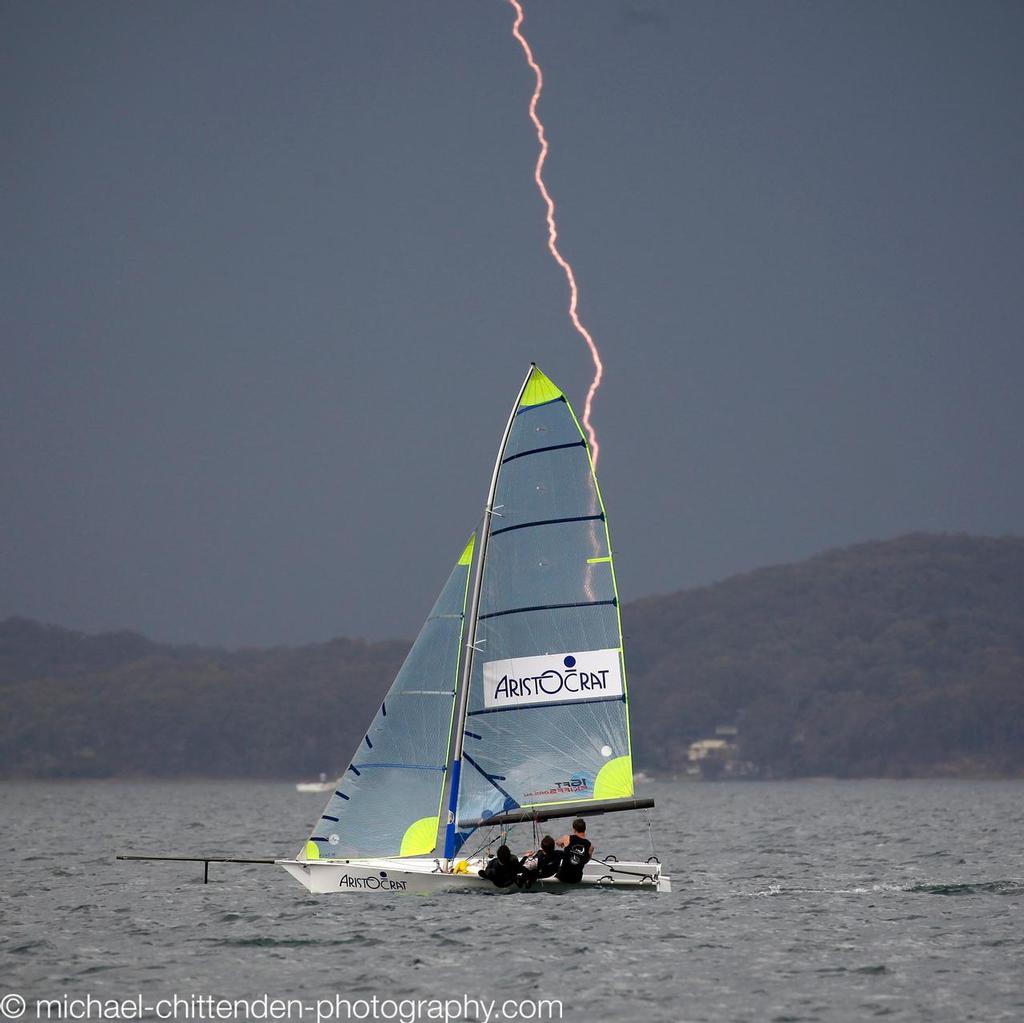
577,849
542,863
502,870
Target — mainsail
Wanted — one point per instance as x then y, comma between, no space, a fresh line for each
545,717
388,801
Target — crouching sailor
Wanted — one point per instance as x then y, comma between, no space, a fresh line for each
542,863
502,870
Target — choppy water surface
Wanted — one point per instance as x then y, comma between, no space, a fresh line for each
802,901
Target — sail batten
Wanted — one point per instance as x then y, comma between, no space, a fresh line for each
540,451
547,607
546,522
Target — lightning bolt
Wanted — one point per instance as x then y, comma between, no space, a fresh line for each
538,177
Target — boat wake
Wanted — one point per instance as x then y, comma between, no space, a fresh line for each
1013,887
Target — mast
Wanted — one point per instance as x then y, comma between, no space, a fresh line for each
470,633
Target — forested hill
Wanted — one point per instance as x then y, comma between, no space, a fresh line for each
890,658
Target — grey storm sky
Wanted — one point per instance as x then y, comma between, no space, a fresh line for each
272,274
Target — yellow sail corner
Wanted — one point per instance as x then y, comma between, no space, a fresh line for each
615,779
420,837
539,389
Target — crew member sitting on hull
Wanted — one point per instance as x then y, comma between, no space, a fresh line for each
577,850
544,862
502,870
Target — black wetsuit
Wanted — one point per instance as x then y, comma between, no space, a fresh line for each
503,875
547,864
574,858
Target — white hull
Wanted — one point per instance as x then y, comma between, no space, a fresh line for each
314,786
423,876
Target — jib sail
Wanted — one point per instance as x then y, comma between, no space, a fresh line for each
388,801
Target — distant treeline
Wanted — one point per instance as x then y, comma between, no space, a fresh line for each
895,658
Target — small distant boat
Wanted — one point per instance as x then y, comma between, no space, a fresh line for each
511,707
323,785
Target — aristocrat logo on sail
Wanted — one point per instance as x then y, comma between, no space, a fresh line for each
552,678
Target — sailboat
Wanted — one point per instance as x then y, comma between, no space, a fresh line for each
323,785
511,707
